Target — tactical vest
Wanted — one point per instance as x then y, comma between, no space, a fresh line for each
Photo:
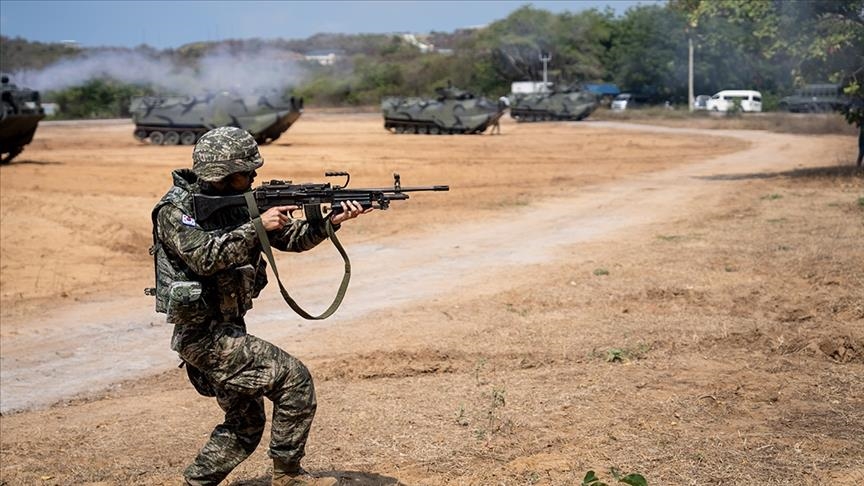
188,298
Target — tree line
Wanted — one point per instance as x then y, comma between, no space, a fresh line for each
772,46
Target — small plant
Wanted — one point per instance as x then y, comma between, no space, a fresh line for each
498,397
615,355
461,419
494,422
600,272
478,367
772,197
620,355
861,201
776,220
512,308
669,237
532,477
632,479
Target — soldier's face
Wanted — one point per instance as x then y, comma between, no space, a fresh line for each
241,181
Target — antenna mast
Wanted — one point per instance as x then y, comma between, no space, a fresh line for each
545,57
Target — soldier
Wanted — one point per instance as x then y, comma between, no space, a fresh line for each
207,275
503,104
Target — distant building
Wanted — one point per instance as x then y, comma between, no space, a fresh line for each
414,41
323,57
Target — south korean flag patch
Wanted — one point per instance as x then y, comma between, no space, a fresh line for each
188,221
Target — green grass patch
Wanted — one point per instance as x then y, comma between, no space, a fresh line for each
622,355
632,479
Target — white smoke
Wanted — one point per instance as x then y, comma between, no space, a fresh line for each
261,70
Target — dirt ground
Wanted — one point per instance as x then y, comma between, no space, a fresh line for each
681,303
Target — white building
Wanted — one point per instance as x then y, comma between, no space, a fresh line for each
322,57
414,41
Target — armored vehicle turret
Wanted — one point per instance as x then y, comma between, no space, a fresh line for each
561,103
20,112
452,111
172,120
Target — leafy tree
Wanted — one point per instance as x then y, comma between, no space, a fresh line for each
649,52
97,98
811,41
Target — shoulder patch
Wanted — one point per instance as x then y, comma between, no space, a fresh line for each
188,221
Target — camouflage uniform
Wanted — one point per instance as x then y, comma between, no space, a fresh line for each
222,360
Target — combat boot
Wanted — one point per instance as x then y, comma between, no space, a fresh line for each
285,474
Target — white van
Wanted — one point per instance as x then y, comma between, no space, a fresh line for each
725,100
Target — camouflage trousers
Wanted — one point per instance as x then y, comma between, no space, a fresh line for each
240,370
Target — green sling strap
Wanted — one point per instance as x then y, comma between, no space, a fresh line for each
265,245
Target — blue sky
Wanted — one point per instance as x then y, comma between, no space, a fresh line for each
164,24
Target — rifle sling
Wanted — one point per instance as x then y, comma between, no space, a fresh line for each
265,245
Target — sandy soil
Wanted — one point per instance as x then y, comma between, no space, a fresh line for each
685,304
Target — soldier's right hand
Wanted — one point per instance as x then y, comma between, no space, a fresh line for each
277,217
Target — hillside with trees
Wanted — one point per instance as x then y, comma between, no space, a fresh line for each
770,46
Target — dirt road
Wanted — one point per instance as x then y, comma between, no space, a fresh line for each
462,289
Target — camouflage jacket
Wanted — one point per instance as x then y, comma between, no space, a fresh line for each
223,256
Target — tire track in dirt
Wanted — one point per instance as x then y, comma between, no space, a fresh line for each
120,341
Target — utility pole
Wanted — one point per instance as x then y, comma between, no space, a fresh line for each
690,97
545,57
691,30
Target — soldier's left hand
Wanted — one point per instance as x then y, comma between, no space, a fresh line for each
350,210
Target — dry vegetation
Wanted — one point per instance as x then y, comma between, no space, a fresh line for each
722,343
798,123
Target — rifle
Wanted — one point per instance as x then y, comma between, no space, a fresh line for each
309,196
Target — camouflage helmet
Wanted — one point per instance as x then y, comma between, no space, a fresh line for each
224,151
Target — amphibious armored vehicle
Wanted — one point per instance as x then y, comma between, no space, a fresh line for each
452,111
561,103
172,120
20,112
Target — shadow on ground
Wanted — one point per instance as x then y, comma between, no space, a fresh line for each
833,172
346,478
12,163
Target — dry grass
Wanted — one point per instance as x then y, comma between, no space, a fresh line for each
723,346
815,124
